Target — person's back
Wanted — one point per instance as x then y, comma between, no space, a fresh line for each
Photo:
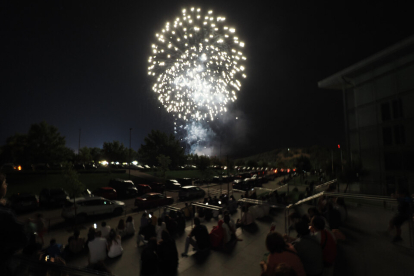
168,254
326,240
149,258
76,245
97,249
200,233
308,249
105,229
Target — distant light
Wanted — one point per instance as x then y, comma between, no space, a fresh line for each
339,146
237,118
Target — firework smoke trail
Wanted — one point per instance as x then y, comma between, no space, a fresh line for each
197,64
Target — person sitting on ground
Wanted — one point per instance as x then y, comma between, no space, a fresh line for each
129,226
143,228
114,246
180,223
105,229
327,242
146,232
167,254
97,248
333,216
232,205
76,244
308,249
247,218
91,234
217,235
120,229
187,211
159,228
404,213
54,249
280,252
202,240
149,258
230,227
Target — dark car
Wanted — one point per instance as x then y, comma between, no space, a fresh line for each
143,189
172,184
185,181
106,192
152,200
53,197
190,192
23,202
157,187
244,185
124,188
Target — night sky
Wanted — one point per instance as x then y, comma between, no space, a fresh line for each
83,65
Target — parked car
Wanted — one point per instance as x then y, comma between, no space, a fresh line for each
91,206
23,202
124,188
244,185
172,184
143,189
190,192
52,197
185,181
152,200
106,192
157,187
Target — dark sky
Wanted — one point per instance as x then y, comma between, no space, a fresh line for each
83,65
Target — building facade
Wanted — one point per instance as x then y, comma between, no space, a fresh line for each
378,99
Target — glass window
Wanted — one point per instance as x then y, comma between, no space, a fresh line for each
385,111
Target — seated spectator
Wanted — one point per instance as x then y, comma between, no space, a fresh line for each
54,249
309,250
333,216
105,229
202,240
171,226
247,218
180,222
159,228
76,244
97,248
149,258
129,226
284,270
327,242
120,229
114,245
280,252
167,255
232,205
217,235
91,233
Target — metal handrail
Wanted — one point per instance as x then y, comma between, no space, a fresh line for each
326,184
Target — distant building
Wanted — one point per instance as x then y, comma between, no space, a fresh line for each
378,98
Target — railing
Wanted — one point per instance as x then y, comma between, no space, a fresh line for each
325,184
359,197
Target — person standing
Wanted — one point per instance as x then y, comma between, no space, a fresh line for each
167,254
404,213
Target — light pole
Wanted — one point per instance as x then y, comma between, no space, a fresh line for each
129,154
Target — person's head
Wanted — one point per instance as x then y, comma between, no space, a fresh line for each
52,241
144,215
3,186
121,224
318,223
186,204
275,242
129,219
76,233
196,221
103,224
283,269
165,236
302,228
226,213
112,235
232,197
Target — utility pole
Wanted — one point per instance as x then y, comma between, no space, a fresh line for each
228,182
129,154
79,141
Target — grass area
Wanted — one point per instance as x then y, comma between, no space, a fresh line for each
35,182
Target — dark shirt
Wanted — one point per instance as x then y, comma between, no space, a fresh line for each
12,234
149,260
201,235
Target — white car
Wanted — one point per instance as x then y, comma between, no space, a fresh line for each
89,206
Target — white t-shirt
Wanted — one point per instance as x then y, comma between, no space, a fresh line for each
227,234
159,229
130,228
116,249
105,231
97,250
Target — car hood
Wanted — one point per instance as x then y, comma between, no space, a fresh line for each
116,202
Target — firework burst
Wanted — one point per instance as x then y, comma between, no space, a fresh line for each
197,64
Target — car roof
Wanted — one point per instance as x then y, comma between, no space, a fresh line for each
188,187
146,185
82,199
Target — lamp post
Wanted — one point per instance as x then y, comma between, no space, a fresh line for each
129,154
